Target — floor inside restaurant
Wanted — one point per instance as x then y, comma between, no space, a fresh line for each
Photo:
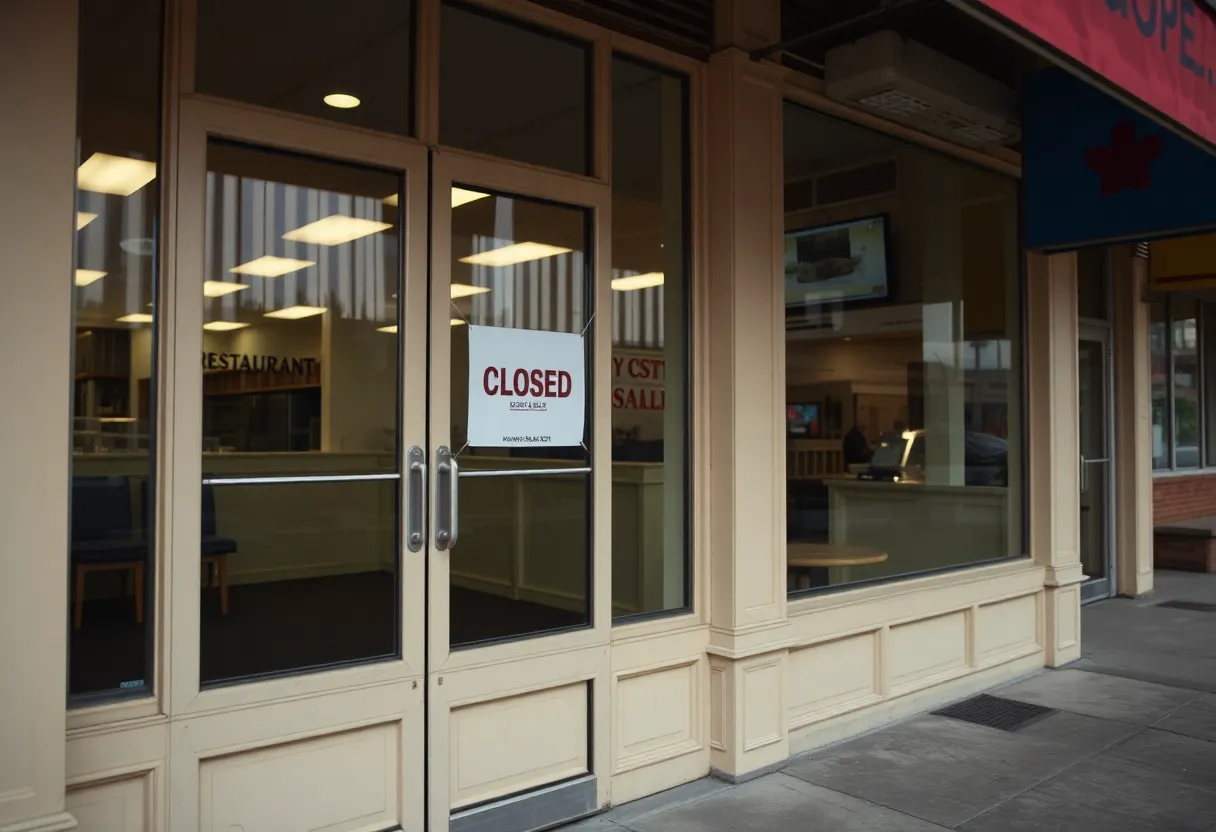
1130,744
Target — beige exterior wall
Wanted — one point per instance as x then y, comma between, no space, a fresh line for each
735,687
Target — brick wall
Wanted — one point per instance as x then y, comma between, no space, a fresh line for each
1180,498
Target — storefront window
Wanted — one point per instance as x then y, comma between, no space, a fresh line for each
650,396
513,91
903,358
1184,325
1182,363
523,564
114,378
300,397
353,65
1160,374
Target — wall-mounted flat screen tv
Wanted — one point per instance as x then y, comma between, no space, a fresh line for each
842,263
802,420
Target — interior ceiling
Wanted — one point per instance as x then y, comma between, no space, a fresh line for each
934,23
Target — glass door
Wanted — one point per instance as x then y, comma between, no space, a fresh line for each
518,615
1096,469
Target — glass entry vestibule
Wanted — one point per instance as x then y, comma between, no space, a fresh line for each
330,280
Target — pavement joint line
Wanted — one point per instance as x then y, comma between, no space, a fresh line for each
1056,774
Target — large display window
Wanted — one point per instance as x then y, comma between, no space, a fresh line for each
903,358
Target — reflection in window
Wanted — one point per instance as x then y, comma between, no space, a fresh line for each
650,542
510,90
354,66
903,360
114,389
522,565
299,376
1184,353
1160,374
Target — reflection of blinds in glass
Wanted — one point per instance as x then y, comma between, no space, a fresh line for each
637,315
545,293
247,218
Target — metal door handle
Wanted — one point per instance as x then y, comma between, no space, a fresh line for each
415,497
447,499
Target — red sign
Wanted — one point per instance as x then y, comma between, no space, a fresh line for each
1162,52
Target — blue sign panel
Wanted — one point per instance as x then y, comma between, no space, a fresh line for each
1095,170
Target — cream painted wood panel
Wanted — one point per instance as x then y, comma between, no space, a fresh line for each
343,783
115,806
922,652
658,715
1006,629
826,679
763,686
516,743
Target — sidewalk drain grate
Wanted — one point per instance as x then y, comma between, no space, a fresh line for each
1195,606
996,712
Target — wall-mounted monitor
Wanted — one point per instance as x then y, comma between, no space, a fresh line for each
802,420
842,263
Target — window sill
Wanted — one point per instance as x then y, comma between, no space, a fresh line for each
1210,471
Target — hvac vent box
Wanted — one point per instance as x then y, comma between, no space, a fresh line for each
909,83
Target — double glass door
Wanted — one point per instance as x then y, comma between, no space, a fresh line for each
351,532
1095,408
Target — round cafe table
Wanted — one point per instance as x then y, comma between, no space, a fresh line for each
810,562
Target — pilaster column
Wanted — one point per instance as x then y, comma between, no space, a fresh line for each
1133,426
747,395
1055,496
37,167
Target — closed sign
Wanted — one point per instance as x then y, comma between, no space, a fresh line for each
526,388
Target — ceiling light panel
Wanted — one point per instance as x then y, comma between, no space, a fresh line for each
464,290
219,288
335,230
223,326
295,313
512,254
637,281
269,265
84,277
83,218
116,175
135,318
461,196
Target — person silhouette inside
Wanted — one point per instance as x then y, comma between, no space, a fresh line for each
856,446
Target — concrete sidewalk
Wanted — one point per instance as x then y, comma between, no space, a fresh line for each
1131,746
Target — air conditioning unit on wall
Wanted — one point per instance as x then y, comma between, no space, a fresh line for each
909,83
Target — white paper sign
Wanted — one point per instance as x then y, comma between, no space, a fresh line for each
526,388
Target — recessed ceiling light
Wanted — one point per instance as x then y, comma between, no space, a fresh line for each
458,322
223,326
86,276
389,329
342,101
294,313
219,288
83,218
117,420
464,290
335,230
460,196
270,266
117,175
637,281
392,199
135,318
512,254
